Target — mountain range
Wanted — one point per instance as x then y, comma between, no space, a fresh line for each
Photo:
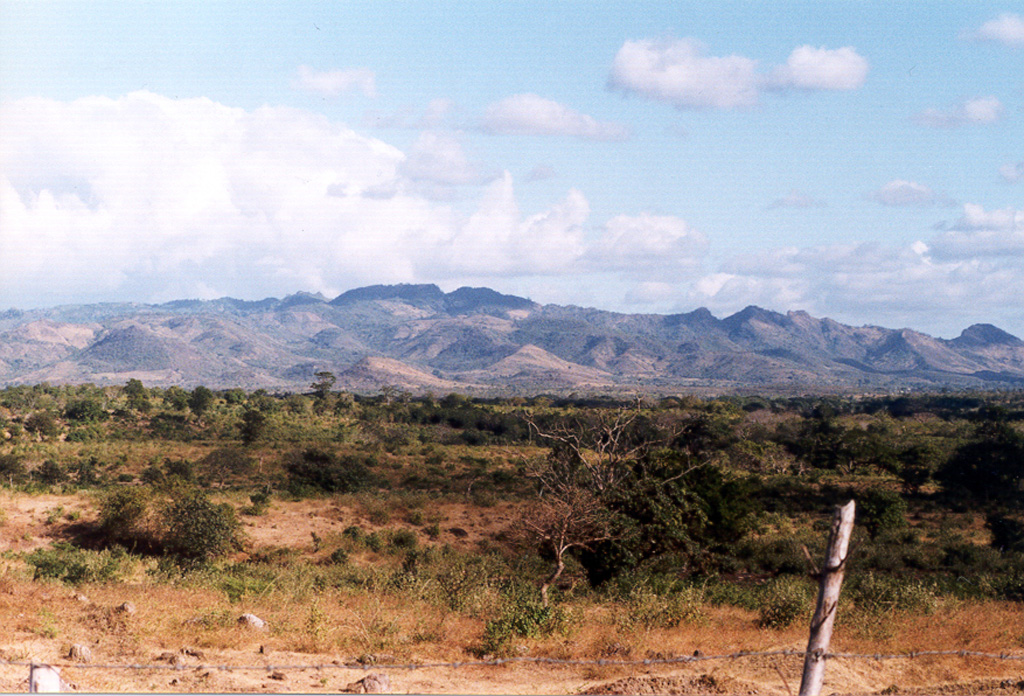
419,338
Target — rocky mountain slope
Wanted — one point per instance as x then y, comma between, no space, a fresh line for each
418,338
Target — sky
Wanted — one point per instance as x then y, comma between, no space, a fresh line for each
862,161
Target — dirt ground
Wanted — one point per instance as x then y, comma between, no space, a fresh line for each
41,621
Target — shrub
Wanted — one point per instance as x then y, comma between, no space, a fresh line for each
403,539
197,529
522,616
42,423
85,411
647,608
321,469
339,557
1007,532
784,601
124,515
73,565
50,473
12,469
879,594
882,511
260,503
226,463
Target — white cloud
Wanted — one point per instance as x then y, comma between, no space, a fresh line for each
334,82
440,158
1012,172
796,199
529,114
904,193
147,197
977,218
1006,29
810,68
971,112
982,233
497,240
680,72
888,286
648,245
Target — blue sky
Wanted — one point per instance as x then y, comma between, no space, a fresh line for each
857,160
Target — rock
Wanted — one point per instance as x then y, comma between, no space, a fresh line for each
277,676
252,621
373,683
80,653
459,532
125,608
81,598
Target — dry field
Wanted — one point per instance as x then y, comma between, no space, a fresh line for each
194,627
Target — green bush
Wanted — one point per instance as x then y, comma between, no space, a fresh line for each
260,504
1007,532
323,470
784,601
522,616
403,539
647,608
50,473
124,515
882,511
70,564
374,542
12,469
85,411
42,423
880,594
197,529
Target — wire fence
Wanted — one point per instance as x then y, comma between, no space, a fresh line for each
498,662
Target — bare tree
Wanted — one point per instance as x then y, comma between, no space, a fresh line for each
568,517
597,454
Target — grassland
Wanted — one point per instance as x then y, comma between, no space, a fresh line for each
390,530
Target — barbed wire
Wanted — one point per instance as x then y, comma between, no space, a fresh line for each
497,662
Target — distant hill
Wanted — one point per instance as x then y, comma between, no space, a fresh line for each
419,338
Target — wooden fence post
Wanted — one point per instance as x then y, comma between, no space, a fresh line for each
828,600
43,679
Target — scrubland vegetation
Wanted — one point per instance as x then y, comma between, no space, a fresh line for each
394,528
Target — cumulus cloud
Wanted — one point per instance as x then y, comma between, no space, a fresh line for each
149,197
496,237
681,73
981,232
889,286
648,245
529,114
904,193
810,68
441,159
334,82
796,199
1007,29
1012,172
971,112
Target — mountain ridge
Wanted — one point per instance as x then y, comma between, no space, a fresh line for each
483,341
